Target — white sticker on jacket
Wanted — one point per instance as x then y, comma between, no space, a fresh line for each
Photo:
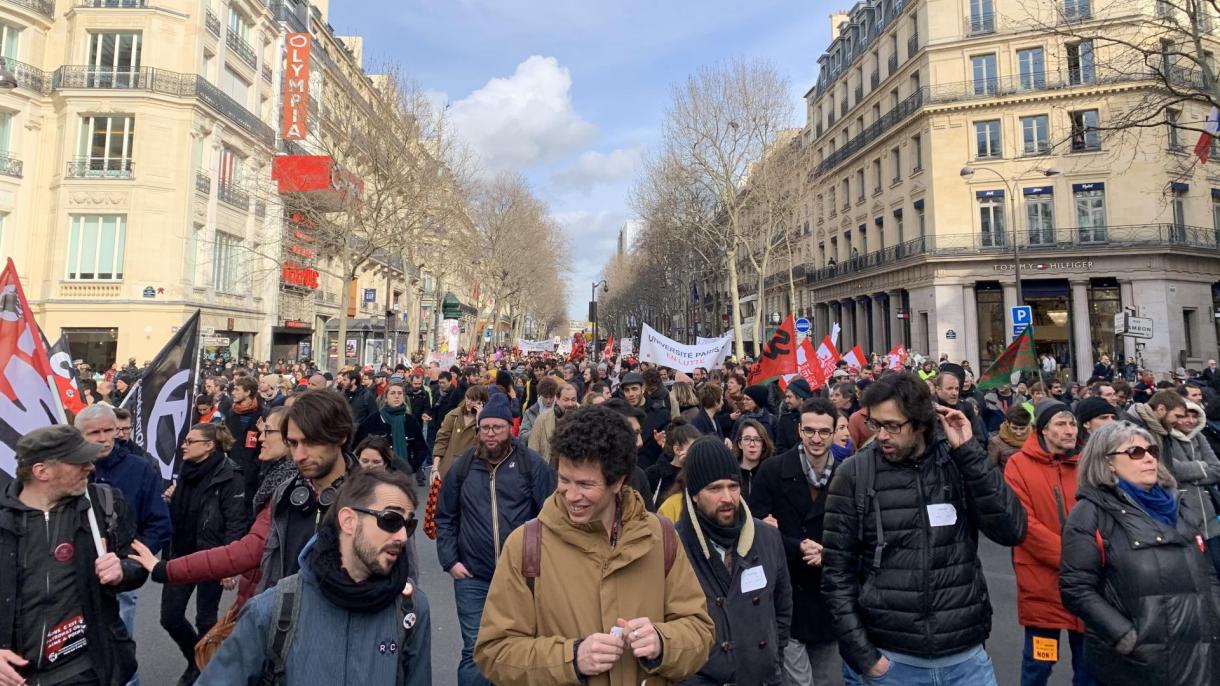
942,514
753,579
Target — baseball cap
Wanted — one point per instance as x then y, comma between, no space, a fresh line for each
58,442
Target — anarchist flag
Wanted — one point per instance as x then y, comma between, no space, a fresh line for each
160,402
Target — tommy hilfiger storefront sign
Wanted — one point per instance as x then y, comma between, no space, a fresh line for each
1048,266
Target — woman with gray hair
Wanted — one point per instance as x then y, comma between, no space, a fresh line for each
1136,570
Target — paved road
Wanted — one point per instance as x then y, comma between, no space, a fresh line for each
161,664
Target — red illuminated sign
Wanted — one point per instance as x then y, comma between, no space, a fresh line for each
295,120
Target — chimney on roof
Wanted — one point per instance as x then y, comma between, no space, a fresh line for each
836,18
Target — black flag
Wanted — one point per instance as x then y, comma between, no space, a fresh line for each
160,402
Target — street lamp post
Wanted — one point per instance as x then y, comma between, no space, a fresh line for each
593,310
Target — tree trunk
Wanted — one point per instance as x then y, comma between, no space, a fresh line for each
739,346
344,299
759,313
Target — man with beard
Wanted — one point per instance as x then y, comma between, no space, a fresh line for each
948,394
792,488
490,491
359,398
902,521
353,595
741,566
542,430
788,425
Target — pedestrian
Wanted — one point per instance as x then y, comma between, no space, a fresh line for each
665,477
792,488
654,404
754,406
1010,438
543,429
270,390
209,508
491,490
948,385
587,591
742,568
1135,569
1093,413
1043,476
216,387
923,459
547,389
753,447
1104,369
359,398
242,423
459,430
1195,467
374,452
711,402
206,411
399,427
787,425
353,594
59,614
419,399
1163,411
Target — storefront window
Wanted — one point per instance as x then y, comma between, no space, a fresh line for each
97,347
1104,303
990,301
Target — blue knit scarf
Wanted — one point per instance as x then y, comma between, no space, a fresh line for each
1158,502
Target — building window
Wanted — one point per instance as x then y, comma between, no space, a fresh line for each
1172,117
239,25
6,132
833,207
4,251
1077,9
1040,218
846,194
235,87
916,153
991,221
896,156
876,176
1178,203
95,247
1032,66
982,17
10,40
920,223
1085,133
987,139
1189,327
1080,63
1216,219
860,186
114,60
192,254
983,69
1090,214
989,299
105,146
224,262
1036,134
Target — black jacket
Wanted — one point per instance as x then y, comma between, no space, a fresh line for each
363,404
111,650
656,417
1153,579
661,477
927,596
705,424
751,627
244,452
787,431
421,404
222,515
781,490
417,448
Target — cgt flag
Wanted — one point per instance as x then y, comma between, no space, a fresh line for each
1019,357
160,402
778,357
65,375
28,399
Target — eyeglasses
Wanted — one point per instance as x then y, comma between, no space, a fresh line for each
390,521
889,427
493,428
193,441
1138,453
810,431
268,432
749,440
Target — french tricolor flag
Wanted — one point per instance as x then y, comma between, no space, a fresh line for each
1211,128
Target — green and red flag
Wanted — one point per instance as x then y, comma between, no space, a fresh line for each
778,357
1019,357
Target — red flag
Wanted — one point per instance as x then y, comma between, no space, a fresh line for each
855,358
808,365
1211,128
65,374
778,356
27,397
578,344
896,357
827,357
608,352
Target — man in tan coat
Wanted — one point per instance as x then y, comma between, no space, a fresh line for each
610,598
544,427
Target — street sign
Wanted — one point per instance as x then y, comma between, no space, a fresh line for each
1120,323
951,335
215,342
1022,316
1139,327
370,295
803,326
487,334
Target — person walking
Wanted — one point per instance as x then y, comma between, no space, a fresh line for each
395,422
547,389
491,490
458,431
1043,476
566,400
1197,471
359,398
1010,438
208,507
788,424
596,590
353,596
1135,569
242,422
742,568
924,459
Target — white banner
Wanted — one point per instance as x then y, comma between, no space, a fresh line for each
667,352
700,340
444,359
626,347
535,346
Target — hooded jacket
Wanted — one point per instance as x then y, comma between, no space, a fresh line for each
140,484
541,432
1195,467
1045,483
1122,571
453,439
751,626
527,638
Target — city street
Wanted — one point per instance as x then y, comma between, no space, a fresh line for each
160,663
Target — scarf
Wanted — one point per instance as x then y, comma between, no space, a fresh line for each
187,500
723,536
274,474
396,417
818,481
372,595
842,452
1008,437
1150,420
246,406
1157,502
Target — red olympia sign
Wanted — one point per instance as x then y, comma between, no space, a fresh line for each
295,124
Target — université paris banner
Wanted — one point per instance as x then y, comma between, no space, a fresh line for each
667,352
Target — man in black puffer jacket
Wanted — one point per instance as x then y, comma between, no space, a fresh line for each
902,575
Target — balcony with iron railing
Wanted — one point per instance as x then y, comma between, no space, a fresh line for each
99,168
10,166
980,24
891,65
233,195
113,4
203,182
266,73
1033,242
29,77
212,22
44,7
912,45
239,45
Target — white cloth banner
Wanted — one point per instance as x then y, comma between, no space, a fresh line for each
626,346
667,352
445,359
535,346
700,340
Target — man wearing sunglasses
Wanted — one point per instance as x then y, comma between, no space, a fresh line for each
356,617
902,523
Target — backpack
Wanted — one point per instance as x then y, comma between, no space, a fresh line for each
282,631
531,548
866,494
461,468
102,497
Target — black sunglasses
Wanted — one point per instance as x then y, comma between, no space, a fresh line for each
1138,453
390,521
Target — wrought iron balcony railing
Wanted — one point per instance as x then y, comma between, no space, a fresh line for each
234,195
203,181
10,166
99,168
43,7
266,73
239,45
212,22
116,4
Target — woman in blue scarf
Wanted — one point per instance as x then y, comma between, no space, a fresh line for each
395,422
841,446
1135,568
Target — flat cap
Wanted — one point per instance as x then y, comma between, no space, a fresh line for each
58,442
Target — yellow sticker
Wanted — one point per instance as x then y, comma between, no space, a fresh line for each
1046,649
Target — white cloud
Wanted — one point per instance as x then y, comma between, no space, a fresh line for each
593,168
523,120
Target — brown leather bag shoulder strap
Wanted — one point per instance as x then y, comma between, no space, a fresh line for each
669,540
531,552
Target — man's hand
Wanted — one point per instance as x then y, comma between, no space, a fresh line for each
879,669
598,653
770,519
230,583
9,662
641,637
109,569
957,427
659,437
168,495
813,556
459,571
142,555
427,417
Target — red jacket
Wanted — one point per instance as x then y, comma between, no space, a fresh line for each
242,556
1046,486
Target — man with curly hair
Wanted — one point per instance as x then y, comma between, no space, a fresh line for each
597,584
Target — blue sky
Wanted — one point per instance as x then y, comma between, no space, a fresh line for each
571,94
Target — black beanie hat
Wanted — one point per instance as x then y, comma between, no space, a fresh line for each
707,461
1046,410
800,388
1092,408
757,393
